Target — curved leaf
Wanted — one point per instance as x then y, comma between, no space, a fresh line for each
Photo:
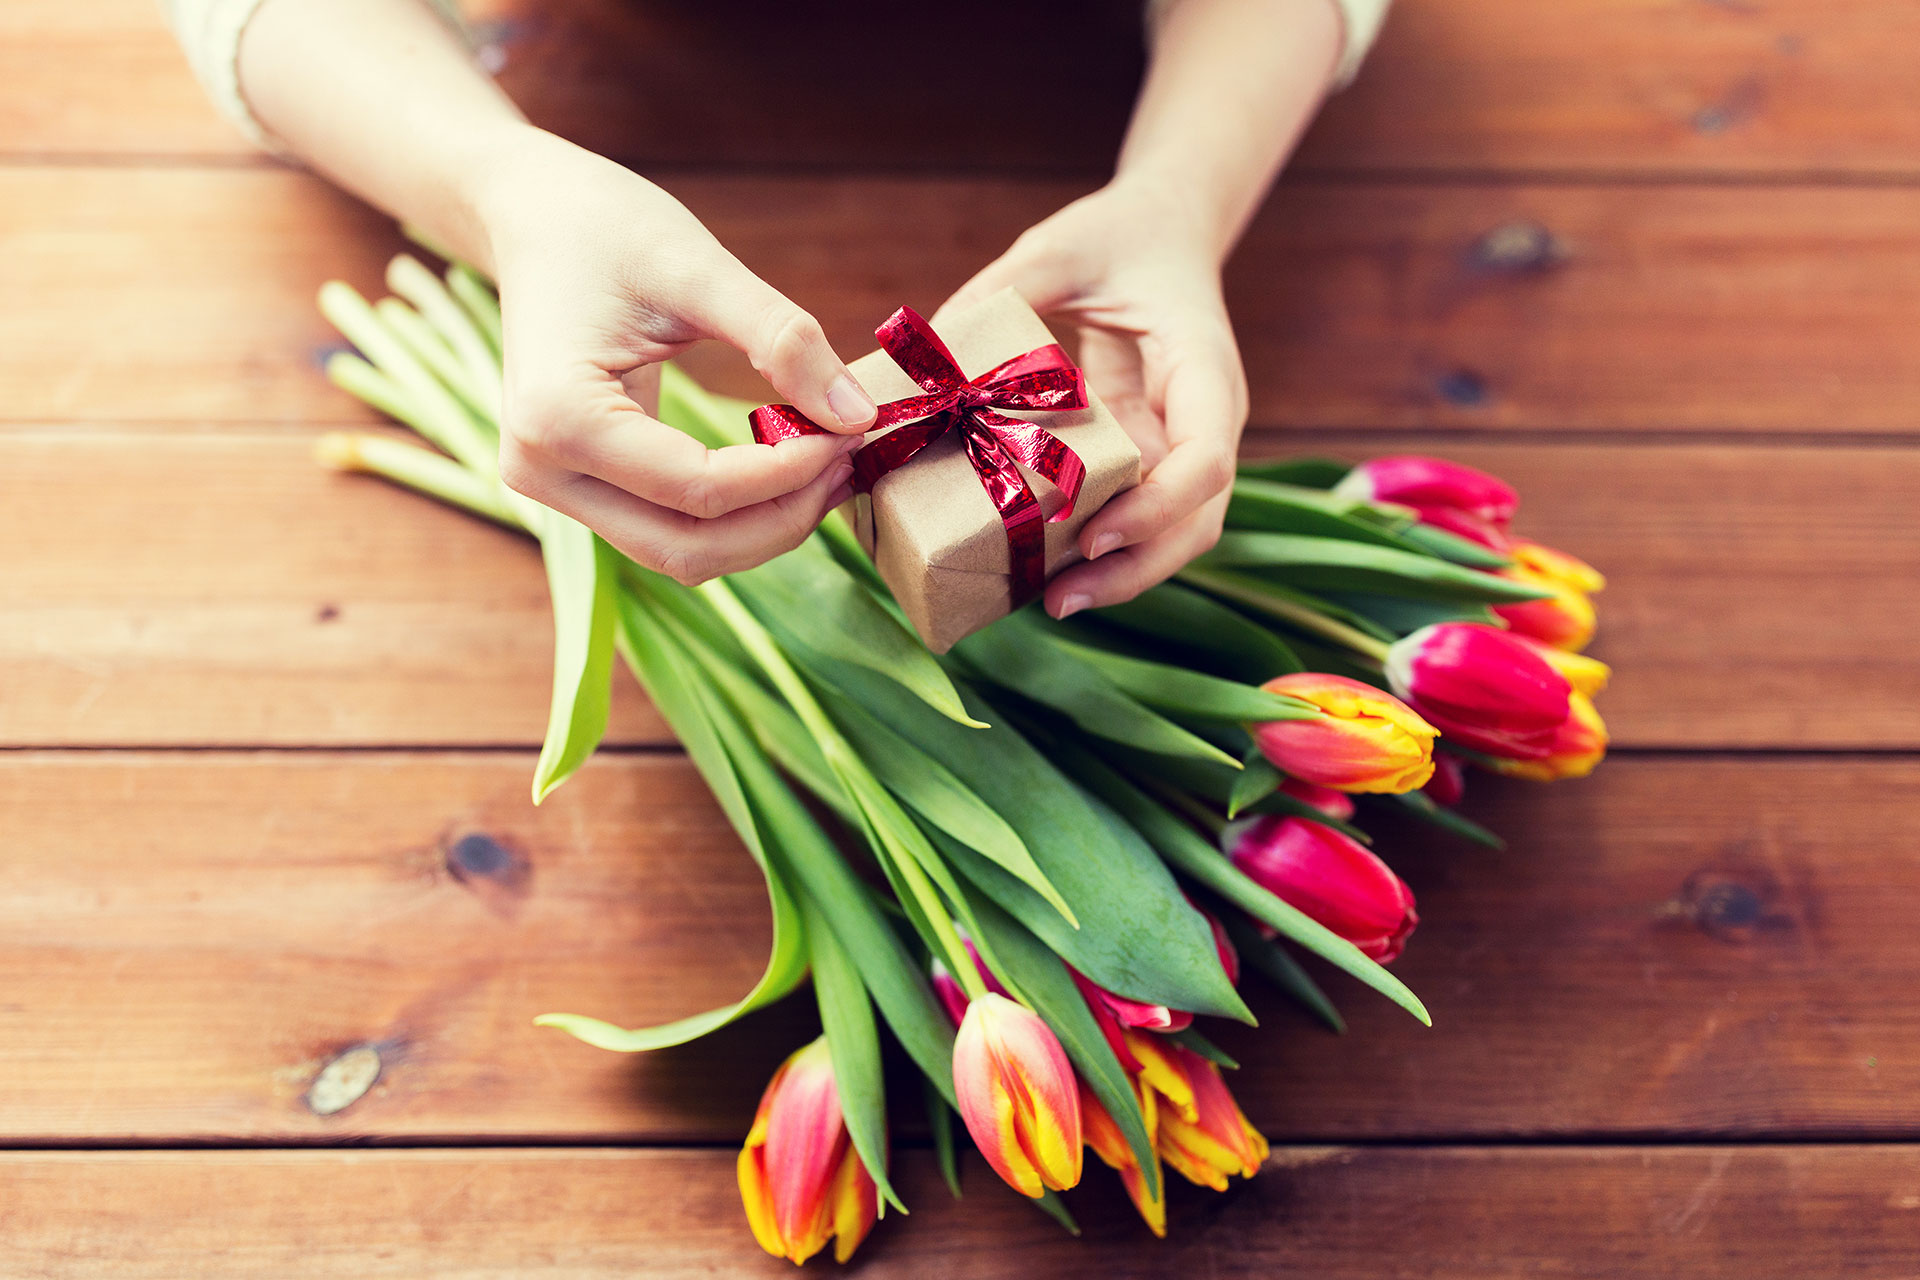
1195,624
581,575
1339,564
853,1044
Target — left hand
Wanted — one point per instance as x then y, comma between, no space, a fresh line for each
1138,278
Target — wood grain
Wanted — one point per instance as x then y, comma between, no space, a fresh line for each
187,941
1783,1213
222,589
168,294
1581,86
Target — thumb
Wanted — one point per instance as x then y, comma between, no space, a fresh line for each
789,349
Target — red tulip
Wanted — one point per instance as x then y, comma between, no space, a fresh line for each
1443,494
800,1178
1335,804
1365,739
1448,786
1586,674
1332,878
1017,1095
1482,687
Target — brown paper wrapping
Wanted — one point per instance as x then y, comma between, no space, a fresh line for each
930,526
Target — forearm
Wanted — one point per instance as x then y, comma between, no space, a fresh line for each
1230,87
381,96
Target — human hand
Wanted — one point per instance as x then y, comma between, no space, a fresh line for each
1140,278
603,275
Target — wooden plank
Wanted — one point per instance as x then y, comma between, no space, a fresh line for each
143,294
221,589
1588,86
187,941
1342,1214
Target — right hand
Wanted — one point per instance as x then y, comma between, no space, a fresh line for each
602,275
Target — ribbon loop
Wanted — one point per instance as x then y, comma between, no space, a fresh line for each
1041,380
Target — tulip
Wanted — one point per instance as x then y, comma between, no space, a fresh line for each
1335,804
1443,494
1484,688
1229,957
1017,1095
1448,786
1565,619
1108,1143
1129,1013
1578,745
1364,740
1209,1140
1160,1070
952,996
800,1178
1586,675
1332,878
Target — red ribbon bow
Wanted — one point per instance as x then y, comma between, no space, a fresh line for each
1042,379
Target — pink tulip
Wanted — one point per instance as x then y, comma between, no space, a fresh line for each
1443,494
1482,687
1017,1095
1335,804
1330,877
1448,786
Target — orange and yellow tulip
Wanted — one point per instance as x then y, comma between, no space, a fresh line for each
1201,1130
800,1178
1017,1095
1577,746
1364,740
1565,619
1104,1136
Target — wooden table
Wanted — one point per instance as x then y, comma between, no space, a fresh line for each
275,913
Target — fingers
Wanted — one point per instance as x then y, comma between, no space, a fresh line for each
1119,577
790,350
1045,280
692,550
1205,408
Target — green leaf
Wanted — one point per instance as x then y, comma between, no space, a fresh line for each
1194,624
581,575
1137,936
853,1043
931,790
1204,1047
1282,970
1190,853
1342,565
1451,546
674,685
1175,690
940,1122
1253,784
1007,656
1317,473
1402,616
1262,595
1423,807
815,608
1050,989
1267,507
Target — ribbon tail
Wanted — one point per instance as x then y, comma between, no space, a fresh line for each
1041,452
1019,512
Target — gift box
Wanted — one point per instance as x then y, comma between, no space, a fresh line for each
998,464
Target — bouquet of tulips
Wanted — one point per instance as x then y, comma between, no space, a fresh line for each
1037,859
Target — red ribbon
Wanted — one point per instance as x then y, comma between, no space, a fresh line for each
1042,379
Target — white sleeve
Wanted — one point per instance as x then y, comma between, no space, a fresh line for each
210,30
1359,23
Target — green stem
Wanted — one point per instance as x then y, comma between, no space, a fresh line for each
419,469
845,762
431,350
1287,611
471,290
1194,809
412,281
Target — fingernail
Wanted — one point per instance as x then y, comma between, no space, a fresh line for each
1103,544
849,444
1073,604
852,405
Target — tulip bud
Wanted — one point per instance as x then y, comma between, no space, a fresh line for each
1565,619
1443,494
1209,1140
1017,1095
1586,675
801,1180
1448,786
1104,1136
1129,1013
1578,745
1335,804
1364,740
1482,687
1332,878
